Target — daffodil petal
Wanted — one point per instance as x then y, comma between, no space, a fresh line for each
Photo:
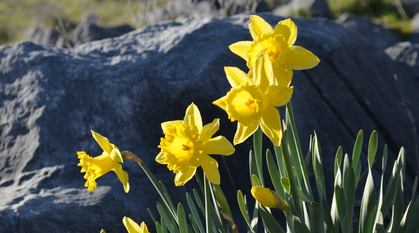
143,228
283,75
182,178
258,26
300,58
241,48
210,167
221,103
219,146
271,125
123,176
168,124
116,154
279,95
288,29
193,117
130,225
160,158
263,74
236,76
243,132
102,141
256,49
208,130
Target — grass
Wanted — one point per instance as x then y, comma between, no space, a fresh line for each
380,12
17,16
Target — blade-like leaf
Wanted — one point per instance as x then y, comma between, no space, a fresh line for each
372,148
356,154
183,226
368,206
271,224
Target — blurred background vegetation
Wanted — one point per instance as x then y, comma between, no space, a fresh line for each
17,16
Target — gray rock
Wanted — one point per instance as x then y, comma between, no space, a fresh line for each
378,34
407,54
124,87
313,8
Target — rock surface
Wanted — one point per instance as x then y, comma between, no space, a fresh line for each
124,87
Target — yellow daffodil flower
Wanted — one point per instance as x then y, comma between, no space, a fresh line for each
110,160
132,227
278,43
269,198
187,145
253,101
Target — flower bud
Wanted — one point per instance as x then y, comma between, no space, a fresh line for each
269,198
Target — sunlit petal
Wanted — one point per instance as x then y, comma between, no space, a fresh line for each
167,124
221,103
102,141
263,72
279,95
300,58
123,176
193,117
271,125
244,132
241,48
258,26
160,158
283,75
219,146
210,167
182,178
288,29
209,130
236,76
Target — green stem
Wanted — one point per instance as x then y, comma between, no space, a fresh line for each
208,226
291,177
294,127
257,146
166,198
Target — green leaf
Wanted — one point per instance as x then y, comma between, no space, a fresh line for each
299,226
372,148
368,206
194,213
257,147
269,220
410,222
167,219
318,169
274,174
286,184
356,154
222,202
338,159
183,226
318,218
243,209
159,228
393,184
280,161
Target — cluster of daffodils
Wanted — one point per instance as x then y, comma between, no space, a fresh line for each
252,101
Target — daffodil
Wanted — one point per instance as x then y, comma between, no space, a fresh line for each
132,227
187,145
252,101
110,160
278,43
269,198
